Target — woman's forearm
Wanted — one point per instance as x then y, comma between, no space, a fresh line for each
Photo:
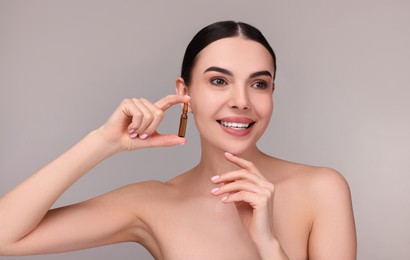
25,206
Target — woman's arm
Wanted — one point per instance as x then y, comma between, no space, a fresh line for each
333,234
27,226
23,208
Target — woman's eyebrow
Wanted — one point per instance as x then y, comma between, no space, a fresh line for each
229,73
218,69
260,73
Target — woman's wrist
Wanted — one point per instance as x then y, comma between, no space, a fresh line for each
271,249
108,147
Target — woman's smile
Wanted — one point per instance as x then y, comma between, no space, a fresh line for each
237,126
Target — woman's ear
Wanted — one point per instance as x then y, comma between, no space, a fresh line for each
182,89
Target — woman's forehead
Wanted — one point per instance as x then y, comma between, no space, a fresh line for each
235,53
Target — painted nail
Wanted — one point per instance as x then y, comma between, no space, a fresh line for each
214,178
228,154
143,136
224,198
132,136
214,190
131,130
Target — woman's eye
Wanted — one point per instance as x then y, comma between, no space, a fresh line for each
260,85
218,82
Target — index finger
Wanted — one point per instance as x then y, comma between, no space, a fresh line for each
171,100
244,164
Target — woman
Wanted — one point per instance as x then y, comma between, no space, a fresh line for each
237,203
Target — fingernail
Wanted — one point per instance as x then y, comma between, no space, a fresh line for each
132,136
224,198
214,178
228,154
143,136
214,190
131,130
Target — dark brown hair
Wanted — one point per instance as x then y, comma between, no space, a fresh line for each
217,31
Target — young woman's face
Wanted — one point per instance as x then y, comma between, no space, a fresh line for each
231,93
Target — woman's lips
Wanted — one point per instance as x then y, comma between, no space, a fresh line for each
236,126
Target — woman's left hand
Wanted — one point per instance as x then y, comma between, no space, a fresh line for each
249,185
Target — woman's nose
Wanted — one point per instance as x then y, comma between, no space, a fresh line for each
239,98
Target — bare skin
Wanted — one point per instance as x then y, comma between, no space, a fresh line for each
237,203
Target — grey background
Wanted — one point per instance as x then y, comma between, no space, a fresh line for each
342,97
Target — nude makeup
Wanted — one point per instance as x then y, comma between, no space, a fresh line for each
183,121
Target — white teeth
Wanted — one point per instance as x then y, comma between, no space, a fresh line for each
235,125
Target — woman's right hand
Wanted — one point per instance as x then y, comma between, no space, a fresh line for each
25,221
133,125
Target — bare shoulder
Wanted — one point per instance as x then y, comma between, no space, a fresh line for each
322,196
320,200
314,179
324,185
328,181
145,192
321,180
319,188
329,192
